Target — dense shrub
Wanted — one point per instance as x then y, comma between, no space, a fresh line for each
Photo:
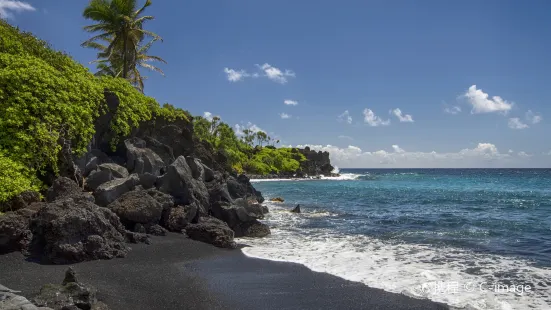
15,178
170,113
41,105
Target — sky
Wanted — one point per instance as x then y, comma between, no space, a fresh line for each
377,83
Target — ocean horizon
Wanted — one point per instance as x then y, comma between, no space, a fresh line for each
471,238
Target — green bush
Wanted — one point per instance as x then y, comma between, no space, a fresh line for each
171,113
40,105
15,178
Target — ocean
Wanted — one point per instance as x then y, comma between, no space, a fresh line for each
471,238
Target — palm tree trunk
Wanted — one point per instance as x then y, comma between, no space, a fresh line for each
124,55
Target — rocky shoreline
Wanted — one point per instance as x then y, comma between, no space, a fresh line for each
158,180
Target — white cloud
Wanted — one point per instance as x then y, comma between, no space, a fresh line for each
275,74
549,153
209,116
239,128
345,117
524,154
482,104
8,7
532,117
516,123
290,102
510,151
403,118
482,155
452,110
284,115
397,149
342,137
373,120
234,75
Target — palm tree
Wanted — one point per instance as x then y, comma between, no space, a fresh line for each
113,65
119,25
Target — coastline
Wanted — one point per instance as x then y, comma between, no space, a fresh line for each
175,272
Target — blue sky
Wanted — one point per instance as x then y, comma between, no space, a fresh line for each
242,59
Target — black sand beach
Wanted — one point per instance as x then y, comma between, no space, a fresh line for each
178,273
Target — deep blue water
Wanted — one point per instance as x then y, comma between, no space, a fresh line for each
498,211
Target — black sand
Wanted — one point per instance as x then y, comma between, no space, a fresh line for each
177,273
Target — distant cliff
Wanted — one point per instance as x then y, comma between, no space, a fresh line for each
316,163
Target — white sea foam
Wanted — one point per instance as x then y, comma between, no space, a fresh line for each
403,268
344,176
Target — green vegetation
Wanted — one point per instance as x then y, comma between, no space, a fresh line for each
119,37
15,179
47,99
242,153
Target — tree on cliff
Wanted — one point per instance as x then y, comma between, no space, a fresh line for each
120,37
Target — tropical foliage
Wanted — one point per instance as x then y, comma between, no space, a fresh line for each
119,38
48,98
15,178
246,153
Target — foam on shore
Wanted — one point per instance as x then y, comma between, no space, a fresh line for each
342,177
414,270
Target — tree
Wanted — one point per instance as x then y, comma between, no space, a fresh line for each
261,137
248,137
113,65
120,26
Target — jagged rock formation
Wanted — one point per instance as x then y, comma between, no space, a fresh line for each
316,163
157,180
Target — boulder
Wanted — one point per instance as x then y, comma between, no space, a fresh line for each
196,167
255,210
296,209
240,216
20,201
110,191
213,231
241,187
135,237
137,207
264,209
97,178
15,234
179,217
94,158
147,180
64,188
254,229
218,191
156,230
9,300
277,199
117,171
71,294
179,182
164,151
208,175
169,138
140,159
69,231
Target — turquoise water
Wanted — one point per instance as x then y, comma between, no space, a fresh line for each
484,225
